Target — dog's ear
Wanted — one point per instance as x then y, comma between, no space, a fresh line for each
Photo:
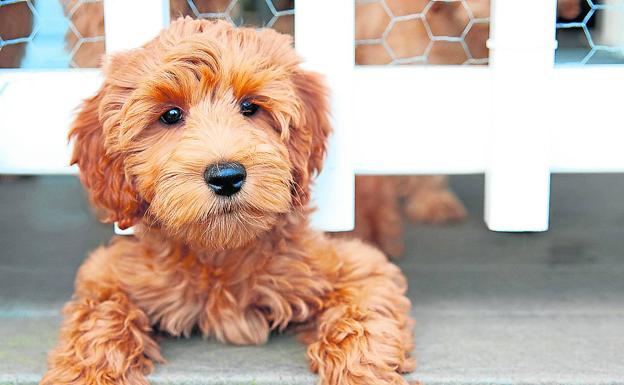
308,141
103,175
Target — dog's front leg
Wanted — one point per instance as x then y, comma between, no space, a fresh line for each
104,340
364,333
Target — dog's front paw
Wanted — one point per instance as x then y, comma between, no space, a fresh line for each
361,350
77,375
435,207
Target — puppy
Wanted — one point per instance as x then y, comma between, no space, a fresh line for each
381,201
378,214
207,139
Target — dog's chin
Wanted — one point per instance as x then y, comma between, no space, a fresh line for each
186,211
223,231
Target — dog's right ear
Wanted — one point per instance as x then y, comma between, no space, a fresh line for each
308,140
103,173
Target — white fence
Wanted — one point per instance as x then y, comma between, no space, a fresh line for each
391,119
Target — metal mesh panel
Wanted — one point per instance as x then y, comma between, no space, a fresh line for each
51,33
592,32
421,31
70,33
276,14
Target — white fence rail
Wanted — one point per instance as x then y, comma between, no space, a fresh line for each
516,120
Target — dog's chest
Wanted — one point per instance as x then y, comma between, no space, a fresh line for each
235,302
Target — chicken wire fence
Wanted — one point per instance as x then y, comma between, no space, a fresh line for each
456,32
276,14
421,31
70,33
62,33
51,33
595,35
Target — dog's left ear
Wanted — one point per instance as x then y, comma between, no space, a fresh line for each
102,173
308,142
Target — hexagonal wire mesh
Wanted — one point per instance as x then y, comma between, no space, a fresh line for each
421,31
590,32
276,14
51,33
85,36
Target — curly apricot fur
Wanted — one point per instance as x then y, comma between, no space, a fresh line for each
233,268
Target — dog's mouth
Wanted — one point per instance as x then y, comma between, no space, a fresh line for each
228,212
235,210
228,207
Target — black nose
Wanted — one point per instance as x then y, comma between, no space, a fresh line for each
225,179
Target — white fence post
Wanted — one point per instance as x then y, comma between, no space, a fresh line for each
324,36
522,46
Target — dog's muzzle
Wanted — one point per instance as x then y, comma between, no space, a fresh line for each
225,179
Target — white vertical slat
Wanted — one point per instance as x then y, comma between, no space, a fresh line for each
124,31
522,63
324,36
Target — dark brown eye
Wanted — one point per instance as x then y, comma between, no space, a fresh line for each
248,108
171,116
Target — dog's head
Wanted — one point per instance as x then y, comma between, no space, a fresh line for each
209,132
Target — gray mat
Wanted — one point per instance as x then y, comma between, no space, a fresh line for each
490,308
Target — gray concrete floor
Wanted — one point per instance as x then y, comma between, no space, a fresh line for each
491,308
